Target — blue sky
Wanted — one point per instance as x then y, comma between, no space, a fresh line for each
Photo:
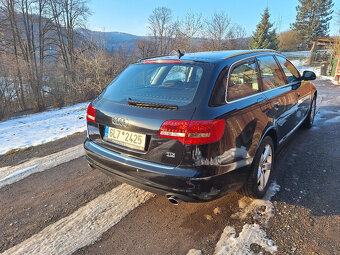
130,16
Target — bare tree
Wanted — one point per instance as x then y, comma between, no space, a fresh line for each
162,28
28,27
217,28
94,68
145,48
68,16
288,40
336,47
9,45
189,27
236,38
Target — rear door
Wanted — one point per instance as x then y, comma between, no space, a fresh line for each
238,100
282,97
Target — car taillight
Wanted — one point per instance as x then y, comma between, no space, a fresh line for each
91,113
175,129
193,132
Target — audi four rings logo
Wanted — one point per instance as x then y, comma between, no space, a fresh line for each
120,121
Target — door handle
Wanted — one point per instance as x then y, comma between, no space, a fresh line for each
298,94
276,105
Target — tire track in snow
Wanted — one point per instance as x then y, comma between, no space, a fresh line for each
12,174
84,226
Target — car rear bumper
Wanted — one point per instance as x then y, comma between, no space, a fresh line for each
184,183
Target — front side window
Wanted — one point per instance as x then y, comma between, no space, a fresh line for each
290,71
243,81
271,75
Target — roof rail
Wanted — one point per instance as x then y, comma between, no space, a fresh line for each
156,56
252,51
177,52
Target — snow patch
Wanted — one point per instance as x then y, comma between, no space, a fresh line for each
260,209
300,65
333,120
330,79
39,128
250,234
84,226
326,117
296,54
12,174
194,252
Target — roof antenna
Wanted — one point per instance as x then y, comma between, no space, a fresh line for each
180,53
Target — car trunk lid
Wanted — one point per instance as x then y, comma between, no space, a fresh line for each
130,124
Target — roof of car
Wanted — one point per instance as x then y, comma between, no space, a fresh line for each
213,56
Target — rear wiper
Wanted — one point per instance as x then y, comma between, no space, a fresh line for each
151,105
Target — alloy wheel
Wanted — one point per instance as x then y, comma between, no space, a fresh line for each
312,112
265,167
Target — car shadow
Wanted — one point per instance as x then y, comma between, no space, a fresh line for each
308,166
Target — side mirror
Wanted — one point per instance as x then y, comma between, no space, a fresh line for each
308,76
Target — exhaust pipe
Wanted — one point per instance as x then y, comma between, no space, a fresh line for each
173,200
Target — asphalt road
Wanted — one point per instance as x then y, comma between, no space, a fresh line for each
70,208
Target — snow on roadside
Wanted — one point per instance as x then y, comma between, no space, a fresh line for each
250,234
300,65
330,79
12,174
194,252
42,127
260,210
296,54
84,226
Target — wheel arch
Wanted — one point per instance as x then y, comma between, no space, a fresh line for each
271,131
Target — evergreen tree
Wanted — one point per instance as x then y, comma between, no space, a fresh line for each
312,20
264,37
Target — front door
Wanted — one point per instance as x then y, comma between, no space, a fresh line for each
301,88
282,97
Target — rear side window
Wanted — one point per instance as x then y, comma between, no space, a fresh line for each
290,71
243,81
163,83
271,74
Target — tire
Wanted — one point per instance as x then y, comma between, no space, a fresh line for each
308,122
260,177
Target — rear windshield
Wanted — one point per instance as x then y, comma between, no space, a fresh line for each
163,83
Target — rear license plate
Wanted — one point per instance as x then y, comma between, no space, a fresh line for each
126,138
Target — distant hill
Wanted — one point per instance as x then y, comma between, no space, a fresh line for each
114,40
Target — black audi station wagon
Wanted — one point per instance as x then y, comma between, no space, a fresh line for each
196,126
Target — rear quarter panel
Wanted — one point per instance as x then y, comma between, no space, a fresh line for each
245,122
